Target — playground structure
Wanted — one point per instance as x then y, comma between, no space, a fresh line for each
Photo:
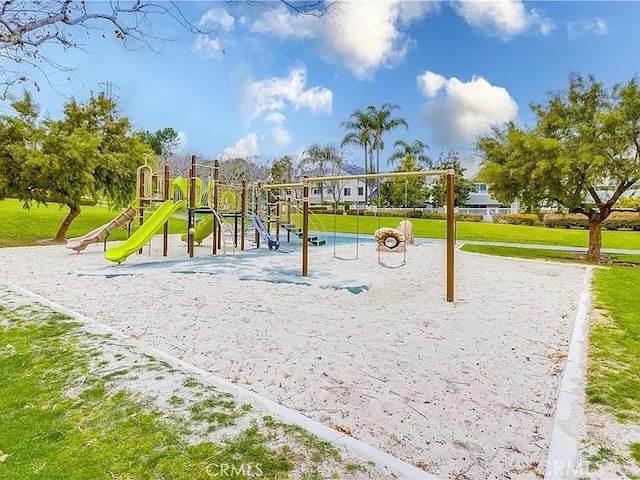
260,203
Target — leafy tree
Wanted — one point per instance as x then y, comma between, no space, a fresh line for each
359,132
282,170
415,150
91,151
582,154
463,186
322,160
234,170
163,142
407,192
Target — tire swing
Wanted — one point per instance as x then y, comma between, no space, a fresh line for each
393,240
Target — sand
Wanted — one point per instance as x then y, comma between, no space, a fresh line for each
464,389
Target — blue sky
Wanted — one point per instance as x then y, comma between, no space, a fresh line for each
266,81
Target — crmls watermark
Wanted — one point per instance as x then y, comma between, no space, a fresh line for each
234,470
563,469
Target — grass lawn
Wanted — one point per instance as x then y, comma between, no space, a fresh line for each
545,254
66,415
20,227
483,231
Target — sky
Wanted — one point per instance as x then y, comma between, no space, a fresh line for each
264,80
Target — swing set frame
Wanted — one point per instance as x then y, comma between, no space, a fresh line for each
448,173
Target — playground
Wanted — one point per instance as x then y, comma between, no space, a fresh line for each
467,387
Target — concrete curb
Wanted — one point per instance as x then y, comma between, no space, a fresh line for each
563,461
398,469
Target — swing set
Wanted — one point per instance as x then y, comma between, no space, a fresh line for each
449,174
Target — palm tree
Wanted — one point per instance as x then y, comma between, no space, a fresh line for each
415,151
359,132
383,121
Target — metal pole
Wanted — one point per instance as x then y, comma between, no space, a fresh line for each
165,197
142,199
257,212
289,219
451,234
278,220
305,228
243,205
216,173
192,207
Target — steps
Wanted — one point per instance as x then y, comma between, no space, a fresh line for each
295,230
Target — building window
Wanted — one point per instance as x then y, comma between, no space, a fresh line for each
347,192
315,191
288,192
481,188
360,191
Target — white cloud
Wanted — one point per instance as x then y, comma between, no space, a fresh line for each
362,36
280,134
504,18
595,26
269,98
217,17
244,148
464,110
209,47
430,83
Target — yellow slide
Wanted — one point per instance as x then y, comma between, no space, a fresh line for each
148,229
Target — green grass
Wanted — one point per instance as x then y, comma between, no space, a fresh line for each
22,227
635,452
547,254
59,420
484,231
614,370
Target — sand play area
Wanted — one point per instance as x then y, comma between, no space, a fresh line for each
462,390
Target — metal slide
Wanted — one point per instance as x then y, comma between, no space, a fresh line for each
266,236
80,243
147,230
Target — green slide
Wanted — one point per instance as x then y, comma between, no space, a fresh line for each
203,230
148,229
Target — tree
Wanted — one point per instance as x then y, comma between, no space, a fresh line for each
163,142
381,122
322,160
359,132
463,186
582,154
414,150
234,170
407,192
281,170
91,151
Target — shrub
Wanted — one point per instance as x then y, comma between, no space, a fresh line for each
569,220
469,217
528,219
434,216
461,217
622,221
